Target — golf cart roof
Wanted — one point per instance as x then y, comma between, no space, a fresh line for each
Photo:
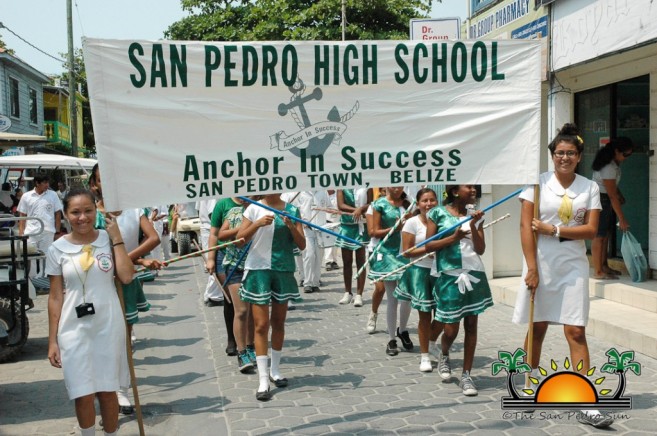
47,161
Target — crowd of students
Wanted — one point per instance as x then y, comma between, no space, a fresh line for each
391,234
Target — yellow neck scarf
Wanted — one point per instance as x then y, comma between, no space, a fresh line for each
565,211
86,259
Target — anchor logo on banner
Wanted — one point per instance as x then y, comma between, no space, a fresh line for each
314,138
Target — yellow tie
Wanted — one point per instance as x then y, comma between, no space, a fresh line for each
86,259
565,211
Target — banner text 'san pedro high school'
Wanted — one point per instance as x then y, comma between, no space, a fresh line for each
179,121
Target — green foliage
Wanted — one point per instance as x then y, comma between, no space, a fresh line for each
620,362
511,363
300,20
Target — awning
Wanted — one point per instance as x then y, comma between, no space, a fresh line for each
47,161
8,139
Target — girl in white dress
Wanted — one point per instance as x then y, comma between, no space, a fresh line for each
87,331
556,270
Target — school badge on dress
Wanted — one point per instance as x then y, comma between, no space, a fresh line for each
104,262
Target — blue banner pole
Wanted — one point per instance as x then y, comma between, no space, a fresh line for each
463,221
232,271
309,224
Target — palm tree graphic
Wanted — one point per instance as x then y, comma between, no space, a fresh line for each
619,364
512,364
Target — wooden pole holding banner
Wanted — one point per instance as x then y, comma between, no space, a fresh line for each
463,221
383,241
131,365
424,256
293,218
530,327
198,253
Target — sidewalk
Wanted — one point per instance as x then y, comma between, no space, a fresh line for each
341,380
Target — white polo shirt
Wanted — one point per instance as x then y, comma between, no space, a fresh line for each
42,206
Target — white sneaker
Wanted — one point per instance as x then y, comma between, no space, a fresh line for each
595,418
358,301
125,407
346,298
434,351
425,365
371,323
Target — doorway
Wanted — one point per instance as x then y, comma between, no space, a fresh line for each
620,109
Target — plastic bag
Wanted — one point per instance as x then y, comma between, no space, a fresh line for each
633,257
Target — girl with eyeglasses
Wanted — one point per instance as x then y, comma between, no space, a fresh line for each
607,174
556,269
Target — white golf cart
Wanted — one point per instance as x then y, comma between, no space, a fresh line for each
15,251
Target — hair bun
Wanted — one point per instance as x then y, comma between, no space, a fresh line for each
569,129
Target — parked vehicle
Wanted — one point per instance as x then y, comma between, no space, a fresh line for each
188,229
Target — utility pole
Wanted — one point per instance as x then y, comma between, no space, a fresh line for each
72,116
344,18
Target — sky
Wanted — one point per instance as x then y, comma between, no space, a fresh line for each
43,24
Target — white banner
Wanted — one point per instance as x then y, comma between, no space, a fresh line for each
179,121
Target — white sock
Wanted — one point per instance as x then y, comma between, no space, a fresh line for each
275,361
404,314
391,310
122,395
114,433
424,356
91,431
263,363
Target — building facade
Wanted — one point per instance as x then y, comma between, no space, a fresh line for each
21,97
600,65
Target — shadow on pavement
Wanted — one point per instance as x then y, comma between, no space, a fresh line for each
152,360
34,401
171,342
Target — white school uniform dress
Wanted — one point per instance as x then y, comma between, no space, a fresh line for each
562,296
92,347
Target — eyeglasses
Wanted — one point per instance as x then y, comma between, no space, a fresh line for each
627,154
569,153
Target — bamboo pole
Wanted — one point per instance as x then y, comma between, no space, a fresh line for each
463,221
530,327
383,241
131,365
424,256
195,254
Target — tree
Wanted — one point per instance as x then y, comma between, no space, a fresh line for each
276,20
512,364
4,46
619,364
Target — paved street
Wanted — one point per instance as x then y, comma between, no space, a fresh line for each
341,380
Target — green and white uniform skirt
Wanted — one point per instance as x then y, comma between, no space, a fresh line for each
385,262
134,300
261,286
416,286
460,293
351,231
